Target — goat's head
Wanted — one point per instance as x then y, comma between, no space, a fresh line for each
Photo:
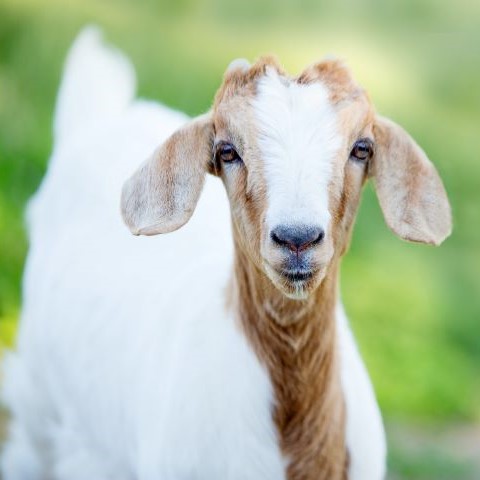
293,154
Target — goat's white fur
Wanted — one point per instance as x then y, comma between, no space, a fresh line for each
127,366
295,123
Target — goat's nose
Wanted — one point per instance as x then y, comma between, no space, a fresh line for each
297,238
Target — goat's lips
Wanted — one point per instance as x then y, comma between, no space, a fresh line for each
298,275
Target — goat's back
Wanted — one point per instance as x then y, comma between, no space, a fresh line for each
124,341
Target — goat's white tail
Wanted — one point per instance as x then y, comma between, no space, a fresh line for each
98,83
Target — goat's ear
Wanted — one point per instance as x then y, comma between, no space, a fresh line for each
161,195
409,189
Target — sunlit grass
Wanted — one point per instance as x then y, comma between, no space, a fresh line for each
8,323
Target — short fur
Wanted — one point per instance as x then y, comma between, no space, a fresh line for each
301,354
143,359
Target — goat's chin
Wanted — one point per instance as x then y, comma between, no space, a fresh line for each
295,289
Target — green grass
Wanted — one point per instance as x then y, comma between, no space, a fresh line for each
432,452
415,310
429,465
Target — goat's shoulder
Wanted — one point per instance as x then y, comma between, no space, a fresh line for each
364,421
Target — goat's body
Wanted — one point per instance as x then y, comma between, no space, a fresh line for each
130,364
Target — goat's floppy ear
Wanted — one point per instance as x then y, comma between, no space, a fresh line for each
162,194
409,189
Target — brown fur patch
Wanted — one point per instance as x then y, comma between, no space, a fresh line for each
336,76
240,82
296,340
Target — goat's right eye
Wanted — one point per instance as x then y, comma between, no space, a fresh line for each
362,150
226,153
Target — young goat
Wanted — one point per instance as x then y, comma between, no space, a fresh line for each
184,356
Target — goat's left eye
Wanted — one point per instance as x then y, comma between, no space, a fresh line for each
227,153
362,150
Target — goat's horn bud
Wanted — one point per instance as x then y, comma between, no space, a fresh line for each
238,64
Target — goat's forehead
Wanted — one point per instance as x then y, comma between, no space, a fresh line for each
284,100
326,85
241,79
290,133
298,137
288,112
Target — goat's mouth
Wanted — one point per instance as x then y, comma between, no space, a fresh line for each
295,283
297,276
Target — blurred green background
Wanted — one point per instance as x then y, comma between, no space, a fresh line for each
415,309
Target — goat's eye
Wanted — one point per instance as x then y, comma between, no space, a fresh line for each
362,150
226,153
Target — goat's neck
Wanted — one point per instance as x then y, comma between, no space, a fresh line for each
296,340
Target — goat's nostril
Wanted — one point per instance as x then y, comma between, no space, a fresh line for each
276,238
320,237
297,237
280,238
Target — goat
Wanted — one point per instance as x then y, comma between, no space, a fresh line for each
212,352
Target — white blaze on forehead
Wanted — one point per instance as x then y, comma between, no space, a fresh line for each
298,140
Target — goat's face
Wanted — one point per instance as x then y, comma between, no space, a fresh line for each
293,154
